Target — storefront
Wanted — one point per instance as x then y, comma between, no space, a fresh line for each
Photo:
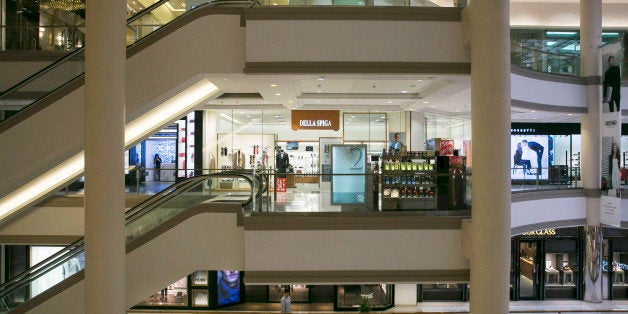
615,264
547,264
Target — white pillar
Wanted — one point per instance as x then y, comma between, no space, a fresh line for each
591,65
405,295
105,60
490,116
417,131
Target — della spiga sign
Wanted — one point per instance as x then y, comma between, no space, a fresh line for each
316,120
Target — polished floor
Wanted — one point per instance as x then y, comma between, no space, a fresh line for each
528,307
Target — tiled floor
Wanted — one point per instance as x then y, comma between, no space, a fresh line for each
528,307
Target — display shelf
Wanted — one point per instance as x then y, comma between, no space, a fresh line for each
412,176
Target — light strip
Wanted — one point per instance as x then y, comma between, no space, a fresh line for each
75,165
170,109
42,185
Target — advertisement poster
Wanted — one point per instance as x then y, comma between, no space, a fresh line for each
446,148
610,206
348,183
228,287
529,157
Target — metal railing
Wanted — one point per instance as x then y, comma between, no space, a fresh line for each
313,192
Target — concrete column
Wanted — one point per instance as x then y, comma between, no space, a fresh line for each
591,65
417,131
490,116
105,61
405,295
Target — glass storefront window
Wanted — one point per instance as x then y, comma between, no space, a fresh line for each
442,292
174,295
620,267
379,296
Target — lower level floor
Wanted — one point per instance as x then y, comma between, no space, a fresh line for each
529,307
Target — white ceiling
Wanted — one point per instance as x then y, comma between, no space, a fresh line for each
445,95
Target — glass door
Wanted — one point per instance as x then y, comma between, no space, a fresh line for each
529,270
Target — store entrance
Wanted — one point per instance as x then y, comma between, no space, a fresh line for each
529,282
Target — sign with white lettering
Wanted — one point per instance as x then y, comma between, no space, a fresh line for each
315,120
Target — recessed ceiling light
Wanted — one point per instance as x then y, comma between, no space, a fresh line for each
319,91
278,94
535,118
389,102
457,110
318,101
293,108
352,116
248,116
411,109
322,78
432,106
276,116
273,85
426,102
404,91
570,114
419,80
533,111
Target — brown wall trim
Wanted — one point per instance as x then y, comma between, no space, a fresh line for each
32,56
548,194
186,214
181,21
356,276
358,67
50,293
42,103
592,80
537,106
355,13
79,201
39,239
350,221
547,76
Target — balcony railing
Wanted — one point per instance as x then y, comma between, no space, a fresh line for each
435,193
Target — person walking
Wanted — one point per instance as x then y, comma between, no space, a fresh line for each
157,162
286,304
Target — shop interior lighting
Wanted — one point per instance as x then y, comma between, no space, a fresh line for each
74,166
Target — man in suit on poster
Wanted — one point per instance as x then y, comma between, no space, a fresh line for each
282,162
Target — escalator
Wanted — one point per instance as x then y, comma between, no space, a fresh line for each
54,98
214,202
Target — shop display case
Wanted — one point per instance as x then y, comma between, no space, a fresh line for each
349,297
409,181
561,269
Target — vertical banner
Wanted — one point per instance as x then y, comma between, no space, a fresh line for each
345,188
610,207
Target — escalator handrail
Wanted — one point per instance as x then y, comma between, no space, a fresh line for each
132,214
72,54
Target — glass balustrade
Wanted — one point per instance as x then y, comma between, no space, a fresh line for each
141,219
413,190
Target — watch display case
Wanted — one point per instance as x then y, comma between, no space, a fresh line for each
409,181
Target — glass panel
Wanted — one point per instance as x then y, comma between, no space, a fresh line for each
200,298
199,278
175,294
561,275
140,220
360,296
620,266
528,282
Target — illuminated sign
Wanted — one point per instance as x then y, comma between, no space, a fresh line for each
315,120
544,232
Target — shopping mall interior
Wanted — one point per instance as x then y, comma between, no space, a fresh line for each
402,156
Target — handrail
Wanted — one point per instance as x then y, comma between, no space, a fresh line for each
132,214
41,72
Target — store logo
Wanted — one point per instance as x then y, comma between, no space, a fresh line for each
610,123
544,232
315,123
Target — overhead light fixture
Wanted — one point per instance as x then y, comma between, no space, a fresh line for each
322,78
404,91
426,102
319,91
290,101
432,106
389,102
278,94
273,85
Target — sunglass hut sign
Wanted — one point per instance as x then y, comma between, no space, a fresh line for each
315,119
